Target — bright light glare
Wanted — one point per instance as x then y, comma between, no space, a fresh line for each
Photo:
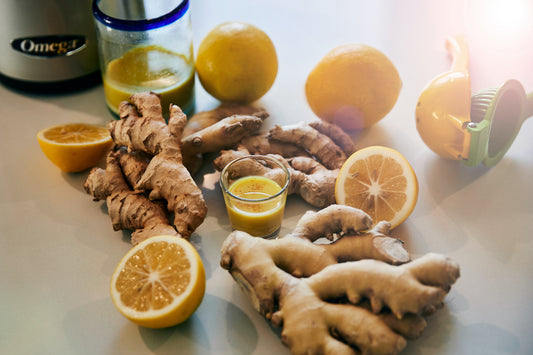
502,21
508,15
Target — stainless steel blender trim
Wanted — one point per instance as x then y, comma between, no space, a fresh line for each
47,42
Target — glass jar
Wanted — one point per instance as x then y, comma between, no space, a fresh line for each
146,46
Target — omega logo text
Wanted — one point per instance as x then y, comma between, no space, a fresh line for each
49,46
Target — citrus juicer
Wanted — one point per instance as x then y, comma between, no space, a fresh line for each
477,128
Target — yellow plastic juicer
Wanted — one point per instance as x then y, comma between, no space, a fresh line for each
477,128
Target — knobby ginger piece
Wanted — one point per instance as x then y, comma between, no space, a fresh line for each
312,153
262,145
337,134
127,209
317,144
223,134
204,133
204,119
335,219
142,128
340,220
133,164
332,299
309,179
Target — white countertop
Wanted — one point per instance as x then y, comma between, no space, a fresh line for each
58,249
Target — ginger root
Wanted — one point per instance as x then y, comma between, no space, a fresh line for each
326,151
309,179
312,181
313,154
262,145
127,209
359,294
336,134
223,134
204,119
217,129
156,169
153,161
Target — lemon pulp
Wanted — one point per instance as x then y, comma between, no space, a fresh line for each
150,68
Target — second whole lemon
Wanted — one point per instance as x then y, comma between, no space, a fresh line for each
237,62
353,86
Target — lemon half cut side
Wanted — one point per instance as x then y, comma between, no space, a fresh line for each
379,181
74,147
159,283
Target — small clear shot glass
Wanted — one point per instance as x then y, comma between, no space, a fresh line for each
146,45
255,193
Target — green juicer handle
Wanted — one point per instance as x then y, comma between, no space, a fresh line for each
528,109
497,114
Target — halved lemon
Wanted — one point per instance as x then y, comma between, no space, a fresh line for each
159,283
379,181
74,147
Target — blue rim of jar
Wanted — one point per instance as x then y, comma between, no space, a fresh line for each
140,25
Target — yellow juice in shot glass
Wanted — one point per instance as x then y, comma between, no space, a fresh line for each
255,192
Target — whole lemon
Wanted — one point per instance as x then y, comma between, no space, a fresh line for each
236,62
353,86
